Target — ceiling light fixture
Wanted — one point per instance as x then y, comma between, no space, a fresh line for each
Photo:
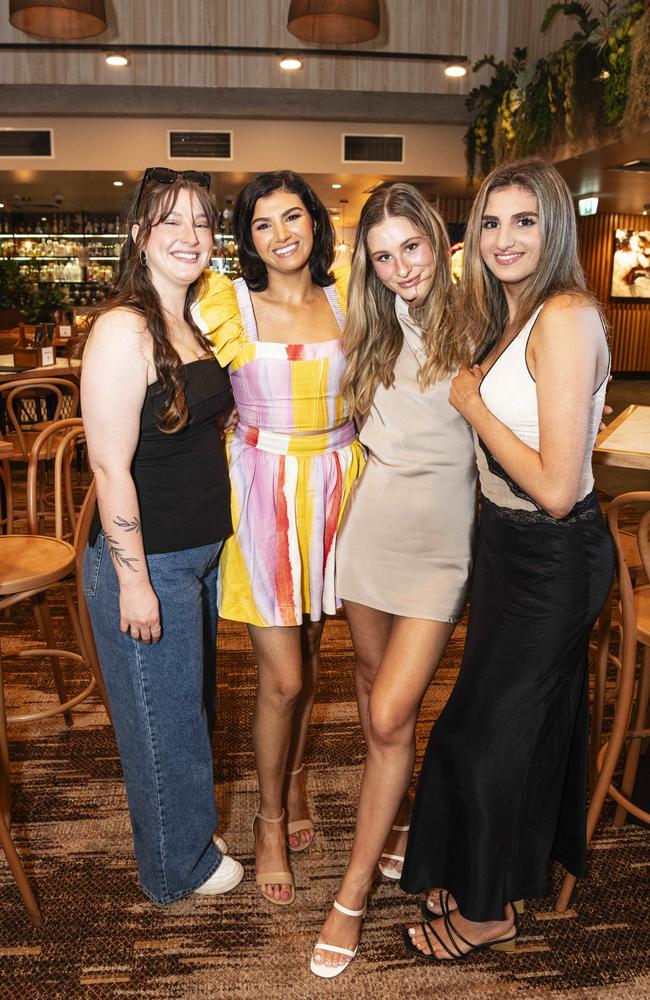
290,63
337,187
456,71
118,184
58,18
337,22
2,204
117,59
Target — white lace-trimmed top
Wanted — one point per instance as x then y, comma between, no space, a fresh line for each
509,391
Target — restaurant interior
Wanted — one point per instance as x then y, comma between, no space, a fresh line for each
351,94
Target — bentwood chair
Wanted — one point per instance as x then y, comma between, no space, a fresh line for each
633,688
28,406
603,693
30,565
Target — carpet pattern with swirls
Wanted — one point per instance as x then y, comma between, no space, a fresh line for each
102,939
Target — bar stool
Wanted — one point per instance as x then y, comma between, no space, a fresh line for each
634,611
29,566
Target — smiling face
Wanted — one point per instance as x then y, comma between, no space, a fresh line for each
402,257
180,245
511,239
282,232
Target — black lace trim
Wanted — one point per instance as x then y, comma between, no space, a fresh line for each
585,510
500,473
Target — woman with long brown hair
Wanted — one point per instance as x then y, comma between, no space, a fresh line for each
403,554
503,784
152,394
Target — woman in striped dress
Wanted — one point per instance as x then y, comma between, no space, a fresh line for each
293,459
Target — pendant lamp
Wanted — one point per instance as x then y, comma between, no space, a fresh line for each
64,19
334,22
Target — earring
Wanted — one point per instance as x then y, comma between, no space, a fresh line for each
143,258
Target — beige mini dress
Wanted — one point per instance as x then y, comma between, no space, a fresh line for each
405,543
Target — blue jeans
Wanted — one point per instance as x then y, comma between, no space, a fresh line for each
163,702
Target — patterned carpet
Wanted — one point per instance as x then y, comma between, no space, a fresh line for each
102,939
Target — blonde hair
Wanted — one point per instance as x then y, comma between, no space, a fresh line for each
483,310
372,337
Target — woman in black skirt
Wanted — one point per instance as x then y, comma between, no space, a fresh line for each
503,783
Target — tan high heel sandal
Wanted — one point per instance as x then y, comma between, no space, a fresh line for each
299,824
274,878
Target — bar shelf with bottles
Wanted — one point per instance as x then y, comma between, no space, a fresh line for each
76,251
79,251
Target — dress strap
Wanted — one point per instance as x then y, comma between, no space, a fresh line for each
333,299
246,310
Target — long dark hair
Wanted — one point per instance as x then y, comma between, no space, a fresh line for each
252,267
134,290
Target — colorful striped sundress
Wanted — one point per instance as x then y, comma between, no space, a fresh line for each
293,459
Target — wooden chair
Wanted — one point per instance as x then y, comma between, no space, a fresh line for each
29,406
29,566
634,612
604,656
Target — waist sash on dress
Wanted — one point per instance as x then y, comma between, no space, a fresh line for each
297,444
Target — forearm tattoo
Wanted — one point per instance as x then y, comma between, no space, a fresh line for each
119,556
132,525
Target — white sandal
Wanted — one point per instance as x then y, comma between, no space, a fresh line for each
391,872
330,971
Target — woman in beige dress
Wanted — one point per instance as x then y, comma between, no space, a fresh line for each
404,549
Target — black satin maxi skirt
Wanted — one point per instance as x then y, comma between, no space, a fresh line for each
503,784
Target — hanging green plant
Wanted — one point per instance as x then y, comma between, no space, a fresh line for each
580,90
637,111
485,101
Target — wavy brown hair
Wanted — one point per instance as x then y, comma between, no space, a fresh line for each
483,309
135,290
372,336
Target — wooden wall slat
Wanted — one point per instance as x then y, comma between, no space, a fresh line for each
630,321
471,27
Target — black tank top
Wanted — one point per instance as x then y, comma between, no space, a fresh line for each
181,479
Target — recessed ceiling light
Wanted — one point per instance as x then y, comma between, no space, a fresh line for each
118,184
337,186
43,218
455,71
117,60
290,63
2,204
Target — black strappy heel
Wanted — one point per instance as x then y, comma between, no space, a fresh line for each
454,935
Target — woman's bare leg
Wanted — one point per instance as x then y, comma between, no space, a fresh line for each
278,655
370,631
310,638
412,654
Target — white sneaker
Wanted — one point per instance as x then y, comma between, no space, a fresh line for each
220,842
227,876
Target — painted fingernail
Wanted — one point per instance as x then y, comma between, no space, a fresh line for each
412,931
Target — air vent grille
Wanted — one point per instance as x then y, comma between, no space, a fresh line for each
200,145
373,148
25,142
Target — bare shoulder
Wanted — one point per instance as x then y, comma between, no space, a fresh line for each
119,331
569,308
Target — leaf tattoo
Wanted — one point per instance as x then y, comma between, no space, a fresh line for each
133,525
118,555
